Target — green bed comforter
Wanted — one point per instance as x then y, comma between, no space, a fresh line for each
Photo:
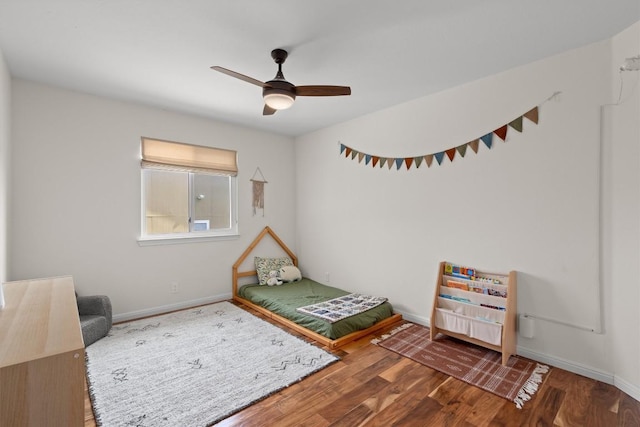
284,300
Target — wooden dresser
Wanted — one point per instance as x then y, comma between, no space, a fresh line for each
41,355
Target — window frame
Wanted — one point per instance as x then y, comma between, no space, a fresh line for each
145,239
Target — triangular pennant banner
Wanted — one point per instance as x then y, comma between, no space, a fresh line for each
501,132
488,140
408,161
451,153
517,124
474,145
428,159
532,115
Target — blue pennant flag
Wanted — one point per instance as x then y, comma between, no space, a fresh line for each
367,159
342,148
398,163
439,157
487,139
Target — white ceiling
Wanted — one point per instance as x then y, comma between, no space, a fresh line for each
158,52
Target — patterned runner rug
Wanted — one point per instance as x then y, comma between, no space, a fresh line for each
193,367
478,366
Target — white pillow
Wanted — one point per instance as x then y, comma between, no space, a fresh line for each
290,273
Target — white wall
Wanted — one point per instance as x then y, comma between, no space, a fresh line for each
76,198
5,153
530,204
622,214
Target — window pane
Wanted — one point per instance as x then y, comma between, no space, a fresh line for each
212,202
166,201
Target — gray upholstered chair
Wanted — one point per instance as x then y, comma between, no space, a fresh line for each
95,317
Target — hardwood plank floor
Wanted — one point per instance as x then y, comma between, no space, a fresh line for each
372,386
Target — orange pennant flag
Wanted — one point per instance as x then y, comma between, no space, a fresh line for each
474,145
451,153
428,159
408,161
532,115
501,132
374,160
347,152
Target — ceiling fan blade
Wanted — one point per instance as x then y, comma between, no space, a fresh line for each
268,111
238,75
322,90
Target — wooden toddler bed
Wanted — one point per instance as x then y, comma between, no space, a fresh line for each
280,303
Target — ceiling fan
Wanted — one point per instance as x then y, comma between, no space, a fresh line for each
278,93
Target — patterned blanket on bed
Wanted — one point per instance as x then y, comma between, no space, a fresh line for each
342,307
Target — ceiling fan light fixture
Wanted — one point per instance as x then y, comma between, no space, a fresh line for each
279,100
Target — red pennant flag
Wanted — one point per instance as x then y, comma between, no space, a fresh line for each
429,159
501,132
408,161
451,153
374,160
347,152
532,115
474,145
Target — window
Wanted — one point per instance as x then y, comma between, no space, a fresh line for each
187,191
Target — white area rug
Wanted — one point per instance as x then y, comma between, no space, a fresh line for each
193,367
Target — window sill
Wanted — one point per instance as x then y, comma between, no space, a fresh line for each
184,238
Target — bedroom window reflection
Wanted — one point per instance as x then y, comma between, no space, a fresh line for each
185,199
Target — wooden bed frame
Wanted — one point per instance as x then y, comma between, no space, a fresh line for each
332,344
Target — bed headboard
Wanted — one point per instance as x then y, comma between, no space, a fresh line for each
238,274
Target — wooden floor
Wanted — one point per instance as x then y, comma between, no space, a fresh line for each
375,387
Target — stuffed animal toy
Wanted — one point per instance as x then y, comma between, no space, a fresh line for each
289,273
273,278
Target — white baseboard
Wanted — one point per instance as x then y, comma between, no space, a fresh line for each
153,311
567,365
625,386
424,321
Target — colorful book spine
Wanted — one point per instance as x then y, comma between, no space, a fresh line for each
458,285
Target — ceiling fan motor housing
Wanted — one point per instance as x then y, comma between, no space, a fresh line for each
279,94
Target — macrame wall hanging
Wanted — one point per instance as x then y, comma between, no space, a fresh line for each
450,153
258,191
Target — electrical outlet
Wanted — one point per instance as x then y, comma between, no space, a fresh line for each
174,287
